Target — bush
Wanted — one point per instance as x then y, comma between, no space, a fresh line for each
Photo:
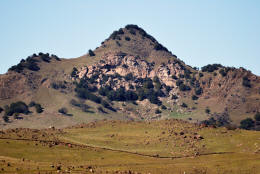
157,111
194,97
86,94
179,82
184,87
174,97
129,76
184,105
18,107
74,72
75,103
246,82
100,109
1,109
198,91
132,31
6,118
127,38
91,53
207,110
211,68
247,123
163,107
31,104
257,116
63,111
39,108
160,47
223,72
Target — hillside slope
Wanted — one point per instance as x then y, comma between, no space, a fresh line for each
130,76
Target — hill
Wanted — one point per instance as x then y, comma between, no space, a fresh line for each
131,76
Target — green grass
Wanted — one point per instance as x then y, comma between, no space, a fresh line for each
119,146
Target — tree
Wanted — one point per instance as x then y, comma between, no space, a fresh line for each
18,107
207,110
246,82
184,105
39,108
157,111
194,97
247,124
91,53
257,116
63,111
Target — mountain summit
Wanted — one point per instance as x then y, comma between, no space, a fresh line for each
130,76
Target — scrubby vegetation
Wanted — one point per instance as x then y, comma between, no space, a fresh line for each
251,124
74,72
91,53
211,67
246,82
30,62
63,111
247,123
38,107
17,107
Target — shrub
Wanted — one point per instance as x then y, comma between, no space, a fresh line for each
91,53
246,82
39,108
1,109
45,57
174,97
6,118
148,83
159,47
187,74
223,72
100,109
120,31
85,108
132,31
257,116
163,107
198,91
184,87
194,97
18,107
174,77
63,111
127,38
179,82
129,76
184,105
247,123
211,67
31,104
157,111
207,110
73,102
74,72
86,94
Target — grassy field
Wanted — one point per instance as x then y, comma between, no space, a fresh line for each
169,146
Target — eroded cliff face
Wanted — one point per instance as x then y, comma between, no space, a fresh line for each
122,64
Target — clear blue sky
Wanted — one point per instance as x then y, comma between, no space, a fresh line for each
198,31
